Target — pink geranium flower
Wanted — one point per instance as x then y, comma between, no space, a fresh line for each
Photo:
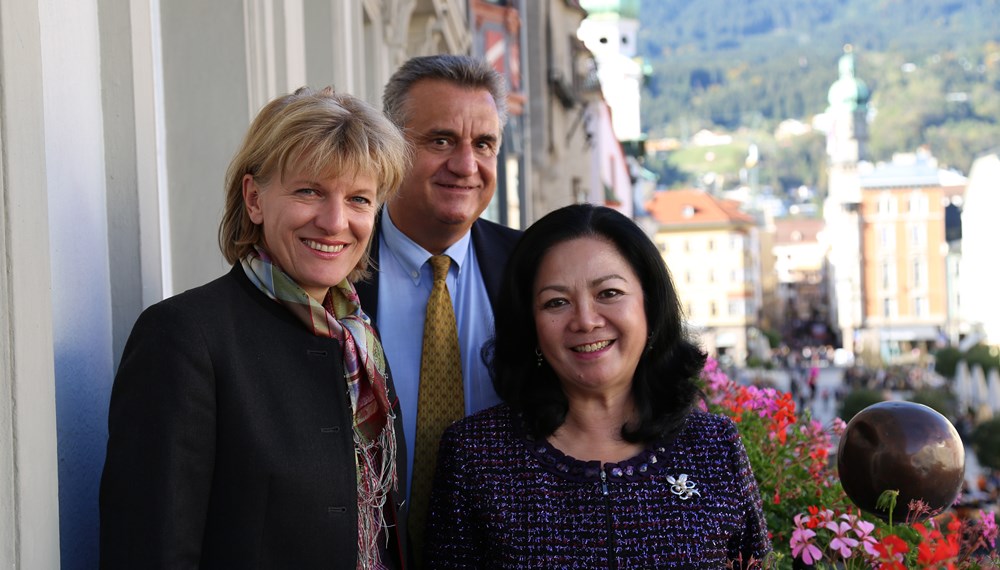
838,426
841,542
715,379
863,529
989,528
802,545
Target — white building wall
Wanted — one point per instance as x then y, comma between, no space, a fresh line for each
611,184
980,234
842,241
612,39
206,109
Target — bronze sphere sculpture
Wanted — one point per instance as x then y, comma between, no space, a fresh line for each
901,446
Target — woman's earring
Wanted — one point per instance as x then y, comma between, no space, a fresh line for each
538,356
649,342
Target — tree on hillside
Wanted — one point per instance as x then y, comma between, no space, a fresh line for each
934,72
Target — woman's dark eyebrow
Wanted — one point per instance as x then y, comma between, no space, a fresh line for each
597,281
604,278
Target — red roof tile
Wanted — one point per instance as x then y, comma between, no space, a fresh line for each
694,207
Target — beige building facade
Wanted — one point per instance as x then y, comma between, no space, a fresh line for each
712,250
903,255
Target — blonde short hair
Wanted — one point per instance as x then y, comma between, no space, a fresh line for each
316,133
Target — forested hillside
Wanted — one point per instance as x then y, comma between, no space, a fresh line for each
933,67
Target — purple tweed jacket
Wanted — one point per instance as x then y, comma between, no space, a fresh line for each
502,500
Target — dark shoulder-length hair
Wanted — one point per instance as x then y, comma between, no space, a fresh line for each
664,387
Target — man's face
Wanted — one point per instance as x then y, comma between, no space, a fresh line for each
455,134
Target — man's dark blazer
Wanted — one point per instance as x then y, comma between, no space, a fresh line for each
493,244
230,440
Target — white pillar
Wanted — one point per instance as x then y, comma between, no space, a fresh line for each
29,509
76,185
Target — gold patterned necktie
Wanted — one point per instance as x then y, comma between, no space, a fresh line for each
441,396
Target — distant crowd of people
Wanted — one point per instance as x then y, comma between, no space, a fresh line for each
893,378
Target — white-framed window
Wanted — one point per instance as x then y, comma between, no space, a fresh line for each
917,203
736,307
921,308
887,236
918,273
887,274
886,204
888,307
918,235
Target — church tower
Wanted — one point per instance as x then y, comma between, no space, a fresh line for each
846,129
848,98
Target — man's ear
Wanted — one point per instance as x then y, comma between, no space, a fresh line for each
251,197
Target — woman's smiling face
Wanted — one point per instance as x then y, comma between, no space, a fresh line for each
589,315
315,230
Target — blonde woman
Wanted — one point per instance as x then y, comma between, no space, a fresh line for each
253,421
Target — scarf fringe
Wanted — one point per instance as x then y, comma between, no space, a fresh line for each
377,477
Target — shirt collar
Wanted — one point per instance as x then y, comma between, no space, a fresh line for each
412,256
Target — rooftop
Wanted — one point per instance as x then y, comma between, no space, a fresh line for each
695,207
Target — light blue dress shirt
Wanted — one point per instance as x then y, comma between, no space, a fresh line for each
405,280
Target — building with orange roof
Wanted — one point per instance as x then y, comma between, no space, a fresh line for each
713,252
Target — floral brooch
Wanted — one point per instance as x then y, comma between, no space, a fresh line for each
681,487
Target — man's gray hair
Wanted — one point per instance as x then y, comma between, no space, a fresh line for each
461,70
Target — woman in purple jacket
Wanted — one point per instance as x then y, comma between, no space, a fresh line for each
599,456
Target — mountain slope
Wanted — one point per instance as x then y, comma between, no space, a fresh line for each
933,66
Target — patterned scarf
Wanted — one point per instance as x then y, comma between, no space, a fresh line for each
340,317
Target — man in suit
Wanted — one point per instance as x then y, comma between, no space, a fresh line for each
452,110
